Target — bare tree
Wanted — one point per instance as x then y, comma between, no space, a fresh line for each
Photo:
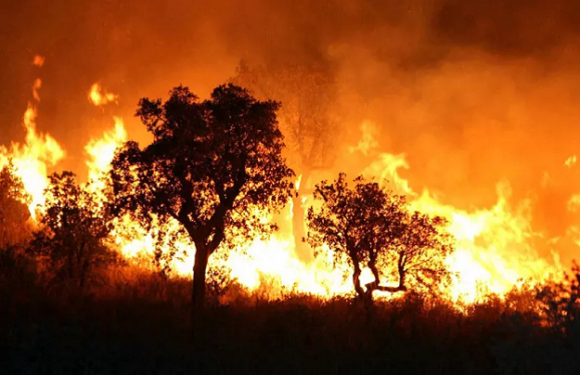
307,116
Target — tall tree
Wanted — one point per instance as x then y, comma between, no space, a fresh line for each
75,230
369,226
13,207
212,166
308,116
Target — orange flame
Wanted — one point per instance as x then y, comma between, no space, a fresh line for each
99,98
38,61
495,245
38,153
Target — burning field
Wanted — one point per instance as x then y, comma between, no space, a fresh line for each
498,246
466,113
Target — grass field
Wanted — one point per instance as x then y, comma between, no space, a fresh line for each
142,327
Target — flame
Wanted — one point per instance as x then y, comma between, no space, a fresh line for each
99,98
136,244
386,167
38,61
368,141
33,158
298,182
101,151
38,152
35,88
496,246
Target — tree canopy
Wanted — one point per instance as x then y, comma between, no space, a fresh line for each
369,226
13,210
212,164
74,231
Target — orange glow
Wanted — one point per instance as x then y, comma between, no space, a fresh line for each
99,97
35,88
33,157
101,151
38,61
495,245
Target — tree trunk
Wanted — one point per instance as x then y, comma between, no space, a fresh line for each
199,271
375,285
298,214
356,281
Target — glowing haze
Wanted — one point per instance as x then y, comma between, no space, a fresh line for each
469,108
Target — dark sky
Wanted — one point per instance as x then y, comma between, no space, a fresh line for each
472,91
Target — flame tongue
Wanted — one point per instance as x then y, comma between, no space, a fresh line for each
494,246
99,97
38,152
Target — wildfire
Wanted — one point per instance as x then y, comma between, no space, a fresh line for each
38,61
495,246
38,152
571,161
35,88
101,151
99,97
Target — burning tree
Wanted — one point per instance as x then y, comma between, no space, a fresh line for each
75,229
369,226
307,94
13,210
214,167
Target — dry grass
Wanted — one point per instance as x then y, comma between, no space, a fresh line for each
137,322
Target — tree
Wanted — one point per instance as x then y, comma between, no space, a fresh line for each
214,167
369,226
13,207
308,94
75,229
560,301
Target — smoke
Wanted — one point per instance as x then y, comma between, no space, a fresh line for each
472,93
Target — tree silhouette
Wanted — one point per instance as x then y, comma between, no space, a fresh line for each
307,94
369,226
561,301
74,233
13,210
212,165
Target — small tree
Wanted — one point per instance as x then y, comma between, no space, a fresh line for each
74,231
369,226
13,208
211,165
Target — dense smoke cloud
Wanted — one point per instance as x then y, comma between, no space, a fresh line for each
472,92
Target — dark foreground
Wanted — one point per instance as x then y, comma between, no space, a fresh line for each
140,331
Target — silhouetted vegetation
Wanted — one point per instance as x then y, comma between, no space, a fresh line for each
211,167
369,226
142,328
68,304
561,302
13,210
74,232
